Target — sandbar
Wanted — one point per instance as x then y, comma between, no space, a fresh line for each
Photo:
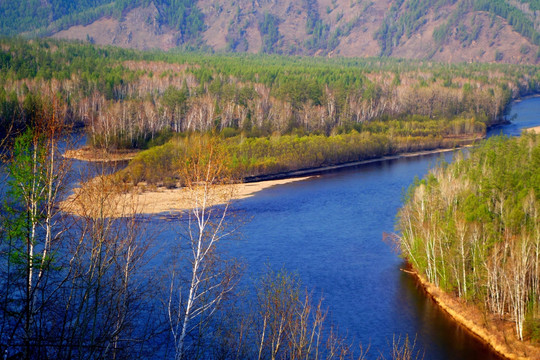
96,155
100,198
535,129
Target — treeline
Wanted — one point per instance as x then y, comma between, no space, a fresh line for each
27,15
269,29
533,4
247,157
183,15
473,229
127,98
516,18
316,28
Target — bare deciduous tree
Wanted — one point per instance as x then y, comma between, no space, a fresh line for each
196,291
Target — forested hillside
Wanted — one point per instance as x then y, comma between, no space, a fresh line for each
50,16
472,229
126,98
444,30
300,112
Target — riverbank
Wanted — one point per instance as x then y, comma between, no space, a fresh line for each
499,335
90,154
350,165
143,199
100,198
535,129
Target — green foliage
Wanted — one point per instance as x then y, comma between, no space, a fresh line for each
269,29
129,97
533,4
26,15
175,99
274,154
516,18
533,329
24,178
183,15
475,222
162,137
300,91
403,19
236,33
10,113
319,31
519,20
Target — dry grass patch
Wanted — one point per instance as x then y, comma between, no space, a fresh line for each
535,129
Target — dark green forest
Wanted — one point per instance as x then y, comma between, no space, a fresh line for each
322,35
256,156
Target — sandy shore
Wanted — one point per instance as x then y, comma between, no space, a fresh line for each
116,200
100,197
497,334
96,155
535,129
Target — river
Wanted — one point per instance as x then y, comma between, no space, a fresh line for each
329,230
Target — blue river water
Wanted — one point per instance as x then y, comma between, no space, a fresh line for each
329,230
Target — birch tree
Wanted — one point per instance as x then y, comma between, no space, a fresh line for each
516,282
36,178
196,292
106,305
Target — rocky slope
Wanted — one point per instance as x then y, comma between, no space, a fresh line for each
138,29
443,30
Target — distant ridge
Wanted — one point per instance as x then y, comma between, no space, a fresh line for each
443,30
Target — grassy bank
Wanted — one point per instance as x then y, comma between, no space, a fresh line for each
256,156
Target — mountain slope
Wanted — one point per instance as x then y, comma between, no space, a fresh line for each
445,30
